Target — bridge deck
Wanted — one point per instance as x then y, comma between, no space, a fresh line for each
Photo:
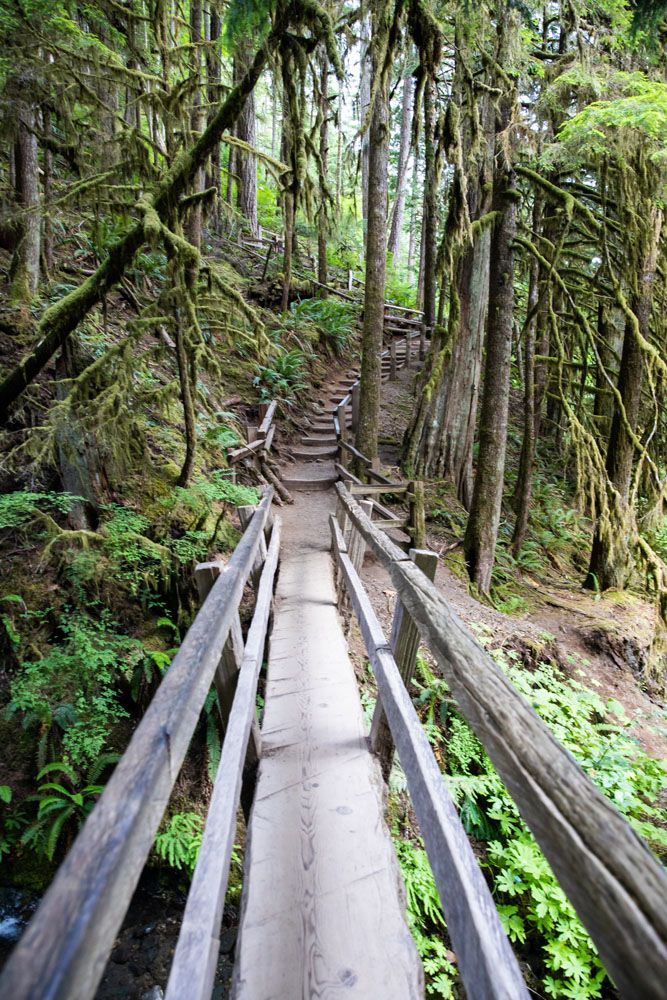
323,911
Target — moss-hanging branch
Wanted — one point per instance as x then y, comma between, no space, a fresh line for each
60,319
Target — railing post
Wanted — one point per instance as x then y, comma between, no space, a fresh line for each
392,360
225,680
350,279
355,406
408,349
245,517
341,412
404,645
417,526
356,548
422,342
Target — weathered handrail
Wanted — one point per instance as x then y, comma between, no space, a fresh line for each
486,961
64,949
615,884
195,959
260,438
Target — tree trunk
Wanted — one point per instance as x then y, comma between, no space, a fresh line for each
402,168
430,224
610,563
439,441
364,104
481,535
412,237
322,223
524,488
213,76
288,208
194,226
611,326
376,248
246,131
25,264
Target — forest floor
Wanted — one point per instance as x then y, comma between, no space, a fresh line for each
600,639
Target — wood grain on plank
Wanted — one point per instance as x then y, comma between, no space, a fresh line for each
323,913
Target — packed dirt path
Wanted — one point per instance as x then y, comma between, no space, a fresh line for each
323,908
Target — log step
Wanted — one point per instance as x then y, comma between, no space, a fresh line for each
307,476
314,452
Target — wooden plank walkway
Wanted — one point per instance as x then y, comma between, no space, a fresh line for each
323,908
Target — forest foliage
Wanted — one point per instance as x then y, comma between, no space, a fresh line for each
501,166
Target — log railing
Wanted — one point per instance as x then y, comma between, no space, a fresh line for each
617,887
368,482
64,949
260,438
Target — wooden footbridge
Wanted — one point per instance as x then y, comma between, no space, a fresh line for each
323,911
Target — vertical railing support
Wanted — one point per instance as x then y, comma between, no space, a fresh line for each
225,681
392,360
417,526
355,406
404,645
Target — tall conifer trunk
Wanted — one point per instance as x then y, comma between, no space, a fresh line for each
322,224
481,534
246,163
376,248
407,102
610,563
25,264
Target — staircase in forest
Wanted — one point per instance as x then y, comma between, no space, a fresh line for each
323,912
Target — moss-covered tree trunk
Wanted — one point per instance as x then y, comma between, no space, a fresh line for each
430,215
481,534
25,263
322,222
213,74
376,248
246,130
524,487
407,105
197,119
611,561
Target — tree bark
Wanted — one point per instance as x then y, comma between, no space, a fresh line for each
322,223
481,534
246,131
213,75
25,264
430,224
376,248
195,220
402,167
364,104
524,488
610,563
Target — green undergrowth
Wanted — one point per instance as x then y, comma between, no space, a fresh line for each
541,923
89,621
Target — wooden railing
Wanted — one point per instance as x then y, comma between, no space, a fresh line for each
65,947
613,881
376,484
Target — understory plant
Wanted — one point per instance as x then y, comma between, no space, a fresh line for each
70,697
537,916
64,802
